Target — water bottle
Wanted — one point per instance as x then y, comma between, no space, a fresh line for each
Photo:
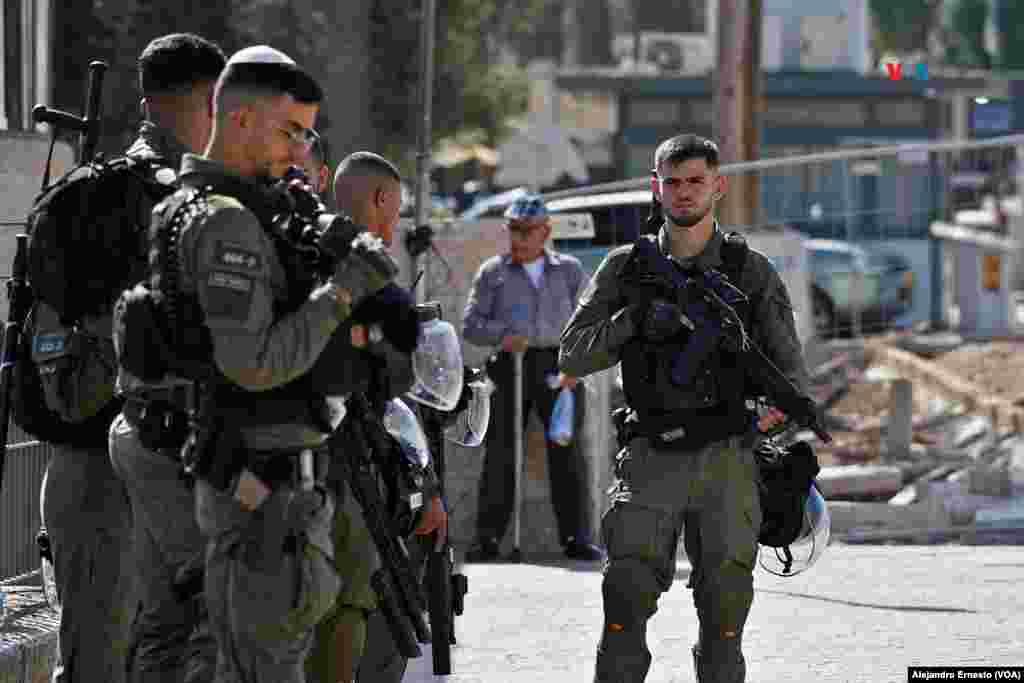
3,608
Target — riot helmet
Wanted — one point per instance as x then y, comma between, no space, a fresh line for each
470,426
809,545
437,361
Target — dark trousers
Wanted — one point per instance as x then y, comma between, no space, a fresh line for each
565,463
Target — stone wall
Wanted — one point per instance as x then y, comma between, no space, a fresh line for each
448,275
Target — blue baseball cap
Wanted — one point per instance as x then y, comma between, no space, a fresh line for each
528,207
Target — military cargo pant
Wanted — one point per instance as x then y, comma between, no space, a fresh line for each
270,578
172,639
87,515
342,636
709,496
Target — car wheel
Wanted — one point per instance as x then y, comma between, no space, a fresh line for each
824,315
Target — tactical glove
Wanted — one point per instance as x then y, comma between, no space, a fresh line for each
393,310
366,269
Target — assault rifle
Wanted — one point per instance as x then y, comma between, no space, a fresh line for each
367,445
19,291
650,274
446,590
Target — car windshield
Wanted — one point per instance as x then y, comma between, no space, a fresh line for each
825,260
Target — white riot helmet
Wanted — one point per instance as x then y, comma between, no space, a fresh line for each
437,361
470,426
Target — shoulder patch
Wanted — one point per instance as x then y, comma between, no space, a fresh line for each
234,256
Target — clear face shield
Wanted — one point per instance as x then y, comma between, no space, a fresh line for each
401,423
803,553
470,426
437,361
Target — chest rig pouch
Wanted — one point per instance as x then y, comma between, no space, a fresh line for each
698,370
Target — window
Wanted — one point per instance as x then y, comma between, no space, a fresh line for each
814,112
654,111
900,112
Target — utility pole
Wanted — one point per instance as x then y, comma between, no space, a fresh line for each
737,106
429,13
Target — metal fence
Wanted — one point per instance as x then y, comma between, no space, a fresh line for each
19,503
867,212
24,467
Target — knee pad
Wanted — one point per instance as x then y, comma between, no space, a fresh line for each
723,599
630,593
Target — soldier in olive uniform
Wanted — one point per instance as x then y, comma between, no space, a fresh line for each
85,506
689,469
269,571
354,636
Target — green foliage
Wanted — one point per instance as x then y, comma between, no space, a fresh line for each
472,91
902,25
963,23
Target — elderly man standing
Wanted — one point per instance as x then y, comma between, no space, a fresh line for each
520,302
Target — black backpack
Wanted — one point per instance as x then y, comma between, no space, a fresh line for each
87,243
87,234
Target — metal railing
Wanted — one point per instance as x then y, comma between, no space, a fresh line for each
876,204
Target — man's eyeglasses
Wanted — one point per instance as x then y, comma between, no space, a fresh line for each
306,138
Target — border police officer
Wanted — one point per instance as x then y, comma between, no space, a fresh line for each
85,507
260,500
687,467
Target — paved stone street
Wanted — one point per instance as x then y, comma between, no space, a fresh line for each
863,614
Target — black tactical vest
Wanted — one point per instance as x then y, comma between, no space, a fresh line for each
717,388
340,369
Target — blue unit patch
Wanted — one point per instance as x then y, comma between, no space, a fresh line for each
49,343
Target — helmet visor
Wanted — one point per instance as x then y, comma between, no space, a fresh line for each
804,552
401,423
437,365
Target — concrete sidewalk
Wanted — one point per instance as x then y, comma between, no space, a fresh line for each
862,615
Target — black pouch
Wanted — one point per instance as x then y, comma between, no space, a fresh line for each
162,425
141,345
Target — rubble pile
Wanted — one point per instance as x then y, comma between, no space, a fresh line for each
960,476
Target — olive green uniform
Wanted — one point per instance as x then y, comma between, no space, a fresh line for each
708,495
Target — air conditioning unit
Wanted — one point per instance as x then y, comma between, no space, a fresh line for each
681,53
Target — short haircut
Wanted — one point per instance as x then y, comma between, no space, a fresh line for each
177,62
685,147
367,164
268,78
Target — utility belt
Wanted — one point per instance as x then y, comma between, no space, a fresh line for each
683,431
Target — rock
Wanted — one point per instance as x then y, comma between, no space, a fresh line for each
859,481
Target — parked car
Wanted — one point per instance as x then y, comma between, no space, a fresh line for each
847,279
